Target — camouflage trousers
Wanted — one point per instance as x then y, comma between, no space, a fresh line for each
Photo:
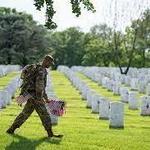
29,107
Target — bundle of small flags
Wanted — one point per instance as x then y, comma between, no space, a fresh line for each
56,107
23,98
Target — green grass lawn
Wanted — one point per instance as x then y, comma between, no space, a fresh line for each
82,130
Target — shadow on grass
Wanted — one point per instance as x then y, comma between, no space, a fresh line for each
24,143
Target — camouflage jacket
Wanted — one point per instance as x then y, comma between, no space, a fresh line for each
38,83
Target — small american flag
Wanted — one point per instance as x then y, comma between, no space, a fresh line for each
23,98
56,107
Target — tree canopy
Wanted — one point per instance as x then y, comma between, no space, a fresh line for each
22,41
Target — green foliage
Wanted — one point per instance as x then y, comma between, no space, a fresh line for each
130,48
96,54
143,38
98,47
22,41
102,46
76,9
67,46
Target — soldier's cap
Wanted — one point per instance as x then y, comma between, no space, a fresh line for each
49,57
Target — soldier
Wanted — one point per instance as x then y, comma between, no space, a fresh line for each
36,89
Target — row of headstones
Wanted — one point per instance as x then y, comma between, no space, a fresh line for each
127,96
112,111
101,75
109,82
139,83
5,69
8,92
133,72
51,94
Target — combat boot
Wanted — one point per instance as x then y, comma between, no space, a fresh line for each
10,131
50,134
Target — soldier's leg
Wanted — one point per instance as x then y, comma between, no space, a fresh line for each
44,116
22,117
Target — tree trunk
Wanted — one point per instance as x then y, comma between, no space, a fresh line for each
131,54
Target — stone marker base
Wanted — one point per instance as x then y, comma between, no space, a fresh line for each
114,127
103,118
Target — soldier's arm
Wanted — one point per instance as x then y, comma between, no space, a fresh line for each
39,84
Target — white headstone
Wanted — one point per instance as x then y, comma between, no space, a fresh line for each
95,103
133,100
134,84
104,81
6,97
116,119
127,80
54,119
85,92
3,102
141,86
145,106
90,95
116,88
124,92
110,85
104,109
148,89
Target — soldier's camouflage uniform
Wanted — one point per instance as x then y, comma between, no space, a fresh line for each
37,90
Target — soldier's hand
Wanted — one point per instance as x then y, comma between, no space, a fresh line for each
47,101
20,105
